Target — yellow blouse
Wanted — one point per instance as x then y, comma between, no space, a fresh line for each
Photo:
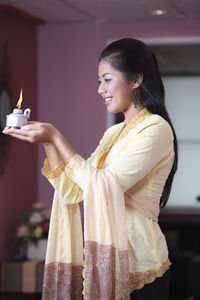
139,157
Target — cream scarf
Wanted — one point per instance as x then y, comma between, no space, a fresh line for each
105,267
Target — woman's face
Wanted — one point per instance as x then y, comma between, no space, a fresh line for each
114,88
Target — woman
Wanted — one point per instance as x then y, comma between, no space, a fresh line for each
123,184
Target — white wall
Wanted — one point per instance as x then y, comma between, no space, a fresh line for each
183,103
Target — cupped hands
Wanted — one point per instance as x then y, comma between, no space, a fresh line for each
33,132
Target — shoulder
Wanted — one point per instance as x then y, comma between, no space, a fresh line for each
156,124
153,130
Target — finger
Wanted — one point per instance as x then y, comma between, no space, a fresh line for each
32,126
23,135
27,127
6,128
18,132
22,138
32,122
9,130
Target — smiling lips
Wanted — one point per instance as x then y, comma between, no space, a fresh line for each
107,100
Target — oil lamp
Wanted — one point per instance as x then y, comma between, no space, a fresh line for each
17,118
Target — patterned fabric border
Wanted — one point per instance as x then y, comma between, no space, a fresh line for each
62,281
106,273
55,173
101,281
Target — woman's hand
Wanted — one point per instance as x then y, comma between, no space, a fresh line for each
47,134
34,132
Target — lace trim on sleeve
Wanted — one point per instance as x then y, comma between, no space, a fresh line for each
75,163
56,172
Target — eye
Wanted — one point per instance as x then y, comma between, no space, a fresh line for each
99,82
108,79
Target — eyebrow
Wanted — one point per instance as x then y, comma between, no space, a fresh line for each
105,74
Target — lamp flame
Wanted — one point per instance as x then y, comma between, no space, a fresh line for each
20,100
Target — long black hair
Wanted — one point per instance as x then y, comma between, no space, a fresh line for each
132,57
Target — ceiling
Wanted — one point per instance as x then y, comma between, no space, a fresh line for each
61,11
173,59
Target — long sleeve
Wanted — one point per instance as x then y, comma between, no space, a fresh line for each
68,190
141,153
63,184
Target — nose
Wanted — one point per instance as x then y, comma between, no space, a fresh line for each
101,89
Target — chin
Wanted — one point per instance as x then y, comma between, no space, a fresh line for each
113,110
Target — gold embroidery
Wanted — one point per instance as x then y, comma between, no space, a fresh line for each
55,173
119,135
74,164
104,152
139,118
139,279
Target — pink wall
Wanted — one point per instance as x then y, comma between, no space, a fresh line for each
18,186
67,76
67,93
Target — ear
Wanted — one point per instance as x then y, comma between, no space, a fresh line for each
138,81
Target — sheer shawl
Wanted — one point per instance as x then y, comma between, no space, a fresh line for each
106,268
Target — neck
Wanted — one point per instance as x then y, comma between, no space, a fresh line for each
132,113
